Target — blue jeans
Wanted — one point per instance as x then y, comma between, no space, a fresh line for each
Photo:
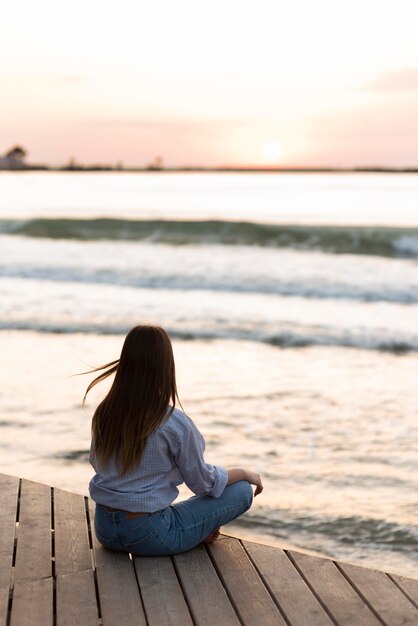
177,528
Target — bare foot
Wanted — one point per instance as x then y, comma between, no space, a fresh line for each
212,537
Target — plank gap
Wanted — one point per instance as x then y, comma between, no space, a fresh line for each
52,535
54,601
19,491
16,523
96,589
54,580
221,578
86,508
182,590
266,585
14,551
89,533
139,587
12,569
91,540
363,597
16,534
301,574
402,589
9,608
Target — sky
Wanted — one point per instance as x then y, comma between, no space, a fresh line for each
266,83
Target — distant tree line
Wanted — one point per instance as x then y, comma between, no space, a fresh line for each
15,159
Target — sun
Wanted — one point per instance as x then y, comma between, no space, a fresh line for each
272,151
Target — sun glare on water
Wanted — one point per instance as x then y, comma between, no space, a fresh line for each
272,151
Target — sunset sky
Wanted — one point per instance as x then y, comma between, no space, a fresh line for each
216,83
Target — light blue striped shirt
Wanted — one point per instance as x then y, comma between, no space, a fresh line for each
173,454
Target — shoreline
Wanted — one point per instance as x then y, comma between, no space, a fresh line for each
216,170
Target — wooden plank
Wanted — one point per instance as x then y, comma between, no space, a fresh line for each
286,585
33,554
161,592
342,601
251,600
382,594
76,599
32,603
205,595
72,549
409,586
351,594
4,602
120,601
9,489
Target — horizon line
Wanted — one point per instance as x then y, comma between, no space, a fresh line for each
218,168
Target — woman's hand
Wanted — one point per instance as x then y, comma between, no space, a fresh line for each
254,479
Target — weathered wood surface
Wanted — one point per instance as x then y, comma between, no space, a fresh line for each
379,591
53,571
72,547
336,593
32,602
9,488
34,558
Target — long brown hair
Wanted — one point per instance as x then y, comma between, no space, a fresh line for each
138,399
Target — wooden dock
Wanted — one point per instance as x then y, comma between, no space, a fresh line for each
54,572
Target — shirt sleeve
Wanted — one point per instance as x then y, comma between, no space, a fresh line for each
187,447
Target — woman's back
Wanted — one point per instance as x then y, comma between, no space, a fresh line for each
173,454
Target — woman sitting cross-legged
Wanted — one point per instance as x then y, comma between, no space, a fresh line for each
143,447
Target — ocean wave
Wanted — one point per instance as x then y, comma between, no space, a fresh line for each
347,530
281,339
366,240
322,290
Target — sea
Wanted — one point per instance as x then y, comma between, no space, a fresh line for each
292,303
